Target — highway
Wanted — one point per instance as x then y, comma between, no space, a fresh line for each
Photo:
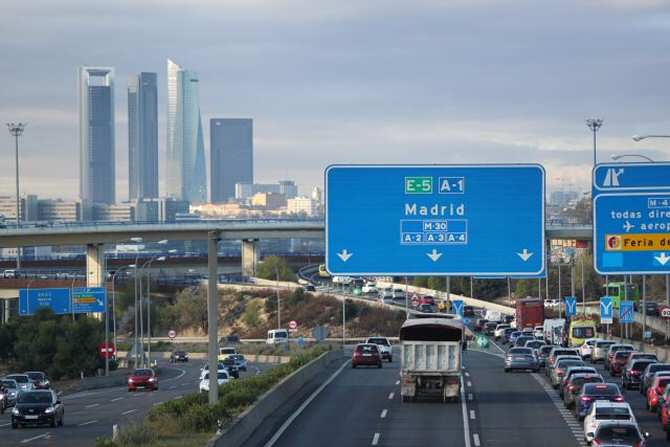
91,414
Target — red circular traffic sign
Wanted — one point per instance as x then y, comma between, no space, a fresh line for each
293,324
172,334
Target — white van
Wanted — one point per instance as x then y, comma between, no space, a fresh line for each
493,315
553,331
277,336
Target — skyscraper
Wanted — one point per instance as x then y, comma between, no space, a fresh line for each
96,135
231,156
186,176
143,136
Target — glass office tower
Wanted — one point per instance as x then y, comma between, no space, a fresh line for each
143,136
231,156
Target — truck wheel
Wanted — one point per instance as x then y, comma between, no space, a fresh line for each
506,370
390,359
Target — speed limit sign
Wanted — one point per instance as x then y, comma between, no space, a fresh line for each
293,325
172,334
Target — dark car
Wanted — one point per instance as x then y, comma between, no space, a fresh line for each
651,308
592,392
521,358
143,378
618,363
427,308
38,407
619,434
572,370
9,390
520,342
39,379
366,354
231,366
479,325
179,356
490,327
573,386
612,352
543,353
648,374
240,361
632,375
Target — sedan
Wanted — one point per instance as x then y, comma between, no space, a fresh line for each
520,342
613,350
573,386
592,392
221,375
366,354
560,369
632,375
600,349
572,370
179,356
24,382
240,361
38,407
655,392
9,390
605,412
654,369
619,433
143,378
618,363
521,358
39,379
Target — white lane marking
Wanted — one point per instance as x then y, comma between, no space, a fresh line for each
466,423
45,435
5,425
304,405
391,396
88,423
470,396
384,413
467,374
475,437
158,403
469,383
117,399
375,439
472,415
397,382
183,373
129,411
178,397
91,406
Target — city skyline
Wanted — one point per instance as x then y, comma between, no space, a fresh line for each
318,98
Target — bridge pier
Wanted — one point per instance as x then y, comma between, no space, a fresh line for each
95,265
250,256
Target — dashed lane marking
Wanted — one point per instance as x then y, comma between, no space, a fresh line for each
472,415
117,399
5,425
129,411
470,396
397,382
467,374
384,413
475,438
466,423
91,406
88,423
469,384
375,439
34,438
391,395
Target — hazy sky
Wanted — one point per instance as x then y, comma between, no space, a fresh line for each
414,81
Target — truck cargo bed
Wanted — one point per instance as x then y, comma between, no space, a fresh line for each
430,357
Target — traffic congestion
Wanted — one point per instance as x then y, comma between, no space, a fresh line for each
618,394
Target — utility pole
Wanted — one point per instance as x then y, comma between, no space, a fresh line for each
16,130
560,299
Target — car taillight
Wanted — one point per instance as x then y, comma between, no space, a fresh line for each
659,390
585,399
634,373
572,388
618,399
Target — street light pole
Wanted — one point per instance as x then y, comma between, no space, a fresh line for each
148,280
16,130
113,313
594,124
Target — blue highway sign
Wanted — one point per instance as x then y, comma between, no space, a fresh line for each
570,306
457,307
627,312
606,310
89,299
631,215
31,300
435,220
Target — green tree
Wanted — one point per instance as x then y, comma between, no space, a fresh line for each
275,268
251,316
436,282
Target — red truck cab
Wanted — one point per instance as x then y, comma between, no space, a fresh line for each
529,313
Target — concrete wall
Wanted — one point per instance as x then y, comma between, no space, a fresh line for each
251,421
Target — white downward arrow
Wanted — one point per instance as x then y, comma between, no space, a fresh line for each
663,259
434,255
525,255
345,255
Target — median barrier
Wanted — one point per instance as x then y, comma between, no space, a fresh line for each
250,422
251,358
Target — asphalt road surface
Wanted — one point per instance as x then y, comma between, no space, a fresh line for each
91,414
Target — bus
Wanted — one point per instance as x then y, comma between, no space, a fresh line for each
323,273
617,290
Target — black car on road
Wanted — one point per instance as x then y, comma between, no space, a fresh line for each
38,407
179,356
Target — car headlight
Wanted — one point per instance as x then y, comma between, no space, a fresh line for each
130,380
2,396
16,412
49,410
45,383
151,379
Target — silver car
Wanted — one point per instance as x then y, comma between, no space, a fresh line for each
600,349
521,358
9,390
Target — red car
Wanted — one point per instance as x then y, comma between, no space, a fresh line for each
618,362
655,392
366,354
143,378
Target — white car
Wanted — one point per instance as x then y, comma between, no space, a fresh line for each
369,288
586,349
551,303
222,377
499,331
539,332
205,369
384,346
605,411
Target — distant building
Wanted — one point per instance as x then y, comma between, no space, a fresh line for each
122,212
186,171
162,210
231,156
59,210
97,173
28,210
244,190
562,198
288,188
316,194
268,200
302,205
143,136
